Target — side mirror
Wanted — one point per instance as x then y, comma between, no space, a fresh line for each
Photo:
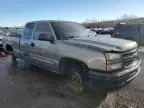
46,37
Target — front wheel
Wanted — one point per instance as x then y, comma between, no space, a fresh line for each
76,80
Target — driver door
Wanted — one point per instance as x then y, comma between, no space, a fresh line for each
43,51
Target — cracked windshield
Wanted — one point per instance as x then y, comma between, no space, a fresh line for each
71,54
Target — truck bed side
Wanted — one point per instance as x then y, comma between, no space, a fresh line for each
11,43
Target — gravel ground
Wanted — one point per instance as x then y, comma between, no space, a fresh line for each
27,86
127,97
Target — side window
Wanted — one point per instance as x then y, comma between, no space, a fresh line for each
41,28
28,30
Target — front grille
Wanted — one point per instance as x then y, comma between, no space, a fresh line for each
129,58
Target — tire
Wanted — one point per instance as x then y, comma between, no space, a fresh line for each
13,61
76,81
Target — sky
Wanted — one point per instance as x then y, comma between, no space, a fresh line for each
18,12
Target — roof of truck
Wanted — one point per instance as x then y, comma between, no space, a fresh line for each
49,21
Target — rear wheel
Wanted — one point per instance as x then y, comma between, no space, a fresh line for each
76,80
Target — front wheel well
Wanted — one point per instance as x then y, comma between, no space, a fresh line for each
9,47
67,63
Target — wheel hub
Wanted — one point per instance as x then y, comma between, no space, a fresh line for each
76,79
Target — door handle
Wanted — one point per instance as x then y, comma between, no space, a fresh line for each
32,44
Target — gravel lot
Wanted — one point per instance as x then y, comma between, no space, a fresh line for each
30,87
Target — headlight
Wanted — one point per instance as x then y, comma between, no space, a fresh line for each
115,66
113,61
112,56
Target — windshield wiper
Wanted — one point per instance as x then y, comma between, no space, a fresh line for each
71,36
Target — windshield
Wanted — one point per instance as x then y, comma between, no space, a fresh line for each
65,30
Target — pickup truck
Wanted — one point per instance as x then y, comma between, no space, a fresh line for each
65,47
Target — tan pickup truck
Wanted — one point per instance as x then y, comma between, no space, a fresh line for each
66,47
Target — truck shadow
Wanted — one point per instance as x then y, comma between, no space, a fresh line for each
43,83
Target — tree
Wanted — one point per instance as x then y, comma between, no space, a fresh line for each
126,16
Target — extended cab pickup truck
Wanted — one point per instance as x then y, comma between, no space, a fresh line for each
66,47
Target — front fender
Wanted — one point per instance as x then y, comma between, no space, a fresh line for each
96,61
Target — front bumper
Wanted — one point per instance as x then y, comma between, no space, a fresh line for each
111,81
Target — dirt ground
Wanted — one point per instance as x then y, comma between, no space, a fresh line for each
27,86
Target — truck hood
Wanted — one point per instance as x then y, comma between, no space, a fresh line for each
102,43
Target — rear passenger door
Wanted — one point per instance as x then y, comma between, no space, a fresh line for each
43,52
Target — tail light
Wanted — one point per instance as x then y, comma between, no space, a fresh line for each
113,34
